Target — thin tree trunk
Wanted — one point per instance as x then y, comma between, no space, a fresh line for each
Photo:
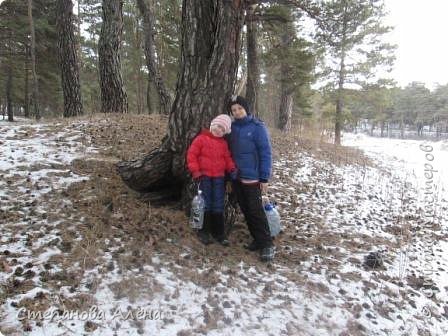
285,112
113,95
9,110
138,79
340,90
79,40
160,48
68,59
339,103
209,61
148,98
402,128
138,73
253,73
286,89
27,86
3,107
33,61
150,55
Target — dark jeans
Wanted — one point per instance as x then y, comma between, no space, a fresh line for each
249,199
213,190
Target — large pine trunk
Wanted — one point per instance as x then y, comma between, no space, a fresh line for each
113,95
253,73
68,59
150,55
209,61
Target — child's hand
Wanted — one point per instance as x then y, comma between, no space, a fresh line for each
263,187
229,187
234,175
197,176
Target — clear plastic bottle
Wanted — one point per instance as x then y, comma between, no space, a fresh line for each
273,219
197,211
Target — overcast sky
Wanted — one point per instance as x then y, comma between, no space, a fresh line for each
421,30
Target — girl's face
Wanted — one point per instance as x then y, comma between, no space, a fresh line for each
238,111
217,130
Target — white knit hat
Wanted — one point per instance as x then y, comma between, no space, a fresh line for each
224,121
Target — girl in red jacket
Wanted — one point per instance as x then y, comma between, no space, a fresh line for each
208,160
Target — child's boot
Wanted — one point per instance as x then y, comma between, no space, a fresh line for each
218,229
204,233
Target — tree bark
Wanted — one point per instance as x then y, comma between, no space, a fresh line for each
138,72
113,95
286,88
148,98
68,59
150,55
402,128
285,111
79,40
36,110
241,84
340,90
253,73
27,86
209,60
339,102
3,110
9,110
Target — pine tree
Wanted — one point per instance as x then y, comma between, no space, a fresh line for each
68,59
351,32
113,95
33,61
209,60
150,55
290,60
15,55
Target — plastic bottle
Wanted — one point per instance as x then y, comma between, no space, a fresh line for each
197,211
273,219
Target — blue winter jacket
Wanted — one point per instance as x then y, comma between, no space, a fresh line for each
251,149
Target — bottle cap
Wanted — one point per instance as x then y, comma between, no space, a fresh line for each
268,207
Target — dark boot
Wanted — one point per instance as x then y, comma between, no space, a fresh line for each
267,253
253,246
204,233
218,228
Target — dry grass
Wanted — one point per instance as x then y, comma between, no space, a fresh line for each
106,216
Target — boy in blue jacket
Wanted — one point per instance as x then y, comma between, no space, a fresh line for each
251,151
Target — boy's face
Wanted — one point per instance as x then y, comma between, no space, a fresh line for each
238,111
217,130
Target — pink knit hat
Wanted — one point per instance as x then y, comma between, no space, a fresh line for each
224,121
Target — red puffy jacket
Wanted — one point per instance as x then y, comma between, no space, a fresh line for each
209,155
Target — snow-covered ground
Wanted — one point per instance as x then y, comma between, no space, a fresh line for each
333,217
